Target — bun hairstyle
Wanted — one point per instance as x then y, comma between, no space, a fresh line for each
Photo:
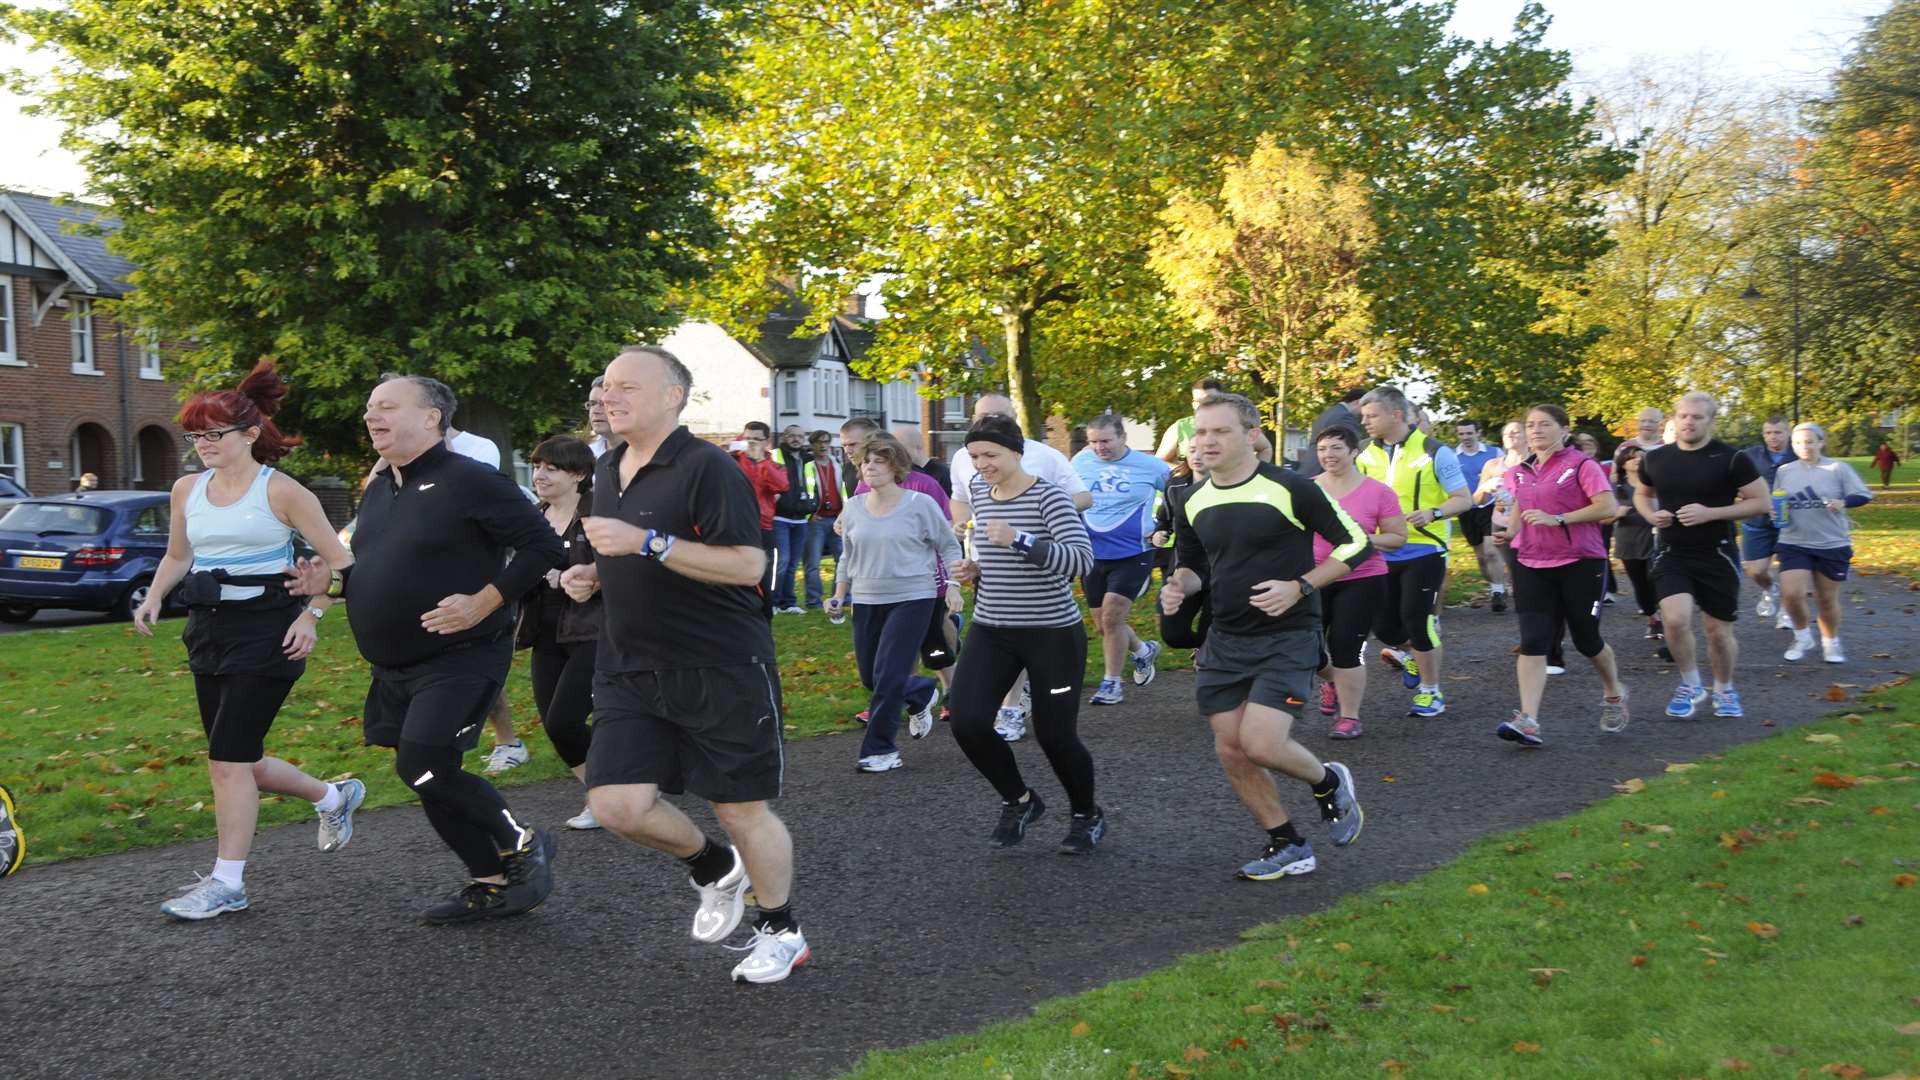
251,404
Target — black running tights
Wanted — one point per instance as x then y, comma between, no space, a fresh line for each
1055,660
470,816
1640,572
563,692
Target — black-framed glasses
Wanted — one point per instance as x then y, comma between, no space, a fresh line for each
210,436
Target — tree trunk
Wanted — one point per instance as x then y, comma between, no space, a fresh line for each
1018,325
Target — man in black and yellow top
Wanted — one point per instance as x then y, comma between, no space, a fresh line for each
791,513
1426,475
1250,530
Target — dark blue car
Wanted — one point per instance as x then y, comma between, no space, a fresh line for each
92,551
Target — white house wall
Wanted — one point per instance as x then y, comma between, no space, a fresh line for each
730,385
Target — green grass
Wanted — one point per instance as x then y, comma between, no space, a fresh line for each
1886,531
1753,911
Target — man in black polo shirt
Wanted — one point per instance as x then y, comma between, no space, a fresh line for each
427,603
686,696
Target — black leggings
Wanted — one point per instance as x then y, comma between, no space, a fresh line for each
1406,614
470,816
1347,610
1055,660
1547,597
1640,572
563,692
1187,628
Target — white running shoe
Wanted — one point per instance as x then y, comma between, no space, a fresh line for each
336,825
1011,724
1832,653
1556,669
584,820
1769,602
507,756
920,723
1782,620
1802,645
880,762
771,956
721,903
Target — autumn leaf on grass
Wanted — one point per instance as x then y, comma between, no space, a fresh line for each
1809,800
1681,766
1825,737
1522,1046
1080,1029
1904,881
1194,1053
1833,780
1734,1064
1765,931
1544,976
1632,786
1478,889
1909,1029
1844,1070
1834,693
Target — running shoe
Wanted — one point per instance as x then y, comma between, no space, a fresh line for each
1499,601
1109,693
1084,833
1522,729
1347,727
771,955
1556,669
793,609
1428,703
1803,643
1341,811
921,722
336,825
205,899
1607,600
1279,861
1144,668
1329,700
13,839
1613,713
1026,699
1656,630
862,715
529,874
1403,661
507,756
1832,652
1769,602
1011,724
1015,818
1783,621
721,903
1686,701
471,902
1727,703
584,821
880,762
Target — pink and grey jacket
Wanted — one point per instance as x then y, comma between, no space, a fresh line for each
1567,482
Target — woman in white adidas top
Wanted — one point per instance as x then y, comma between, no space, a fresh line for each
231,543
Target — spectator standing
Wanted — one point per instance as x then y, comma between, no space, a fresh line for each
791,512
768,481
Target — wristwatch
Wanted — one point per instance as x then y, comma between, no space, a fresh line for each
1306,588
318,613
1559,519
656,545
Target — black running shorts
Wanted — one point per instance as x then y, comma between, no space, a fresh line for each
1275,670
714,732
1118,577
1711,575
441,701
1476,525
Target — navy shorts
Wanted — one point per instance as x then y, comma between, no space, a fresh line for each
1758,540
1126,577
1829,563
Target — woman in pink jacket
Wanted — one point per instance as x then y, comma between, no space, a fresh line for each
1560,497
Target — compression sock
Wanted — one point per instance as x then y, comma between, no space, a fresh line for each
710,863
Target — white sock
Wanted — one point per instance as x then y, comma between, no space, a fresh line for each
1499,586
1721,687
230,872
1142,651
1829,642
330,801
1690,677
1425,689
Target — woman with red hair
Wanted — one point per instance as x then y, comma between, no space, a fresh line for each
229,548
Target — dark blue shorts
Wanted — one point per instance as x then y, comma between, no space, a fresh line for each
1758,541
1829,563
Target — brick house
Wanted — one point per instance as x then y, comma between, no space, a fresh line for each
80,392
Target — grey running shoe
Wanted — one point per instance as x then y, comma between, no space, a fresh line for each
471,902
1342,812
207,898
1143,666
1084,833
13,842
921,722
1522,729
1278,862
1109,693
1011,724
336,825
1015,819
1613,713
721,904
771,956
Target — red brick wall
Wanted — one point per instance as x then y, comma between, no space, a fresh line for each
49,401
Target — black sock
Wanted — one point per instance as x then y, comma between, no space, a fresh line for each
1329,783
710,863
1284,834
777,919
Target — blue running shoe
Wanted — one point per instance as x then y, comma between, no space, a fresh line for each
1143,666
1686,701
1428,703
1522,729
1402,661
1279,862
1340,808
1727,703
1109,693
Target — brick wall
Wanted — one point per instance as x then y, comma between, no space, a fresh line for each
49,401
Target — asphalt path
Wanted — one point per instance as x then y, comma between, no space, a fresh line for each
918,929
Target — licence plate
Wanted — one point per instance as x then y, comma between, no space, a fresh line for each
36,562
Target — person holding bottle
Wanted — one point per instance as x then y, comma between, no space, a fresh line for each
1812,496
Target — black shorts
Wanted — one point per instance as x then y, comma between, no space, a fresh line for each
1711,575
242,639
1275,670
441,701
937,651
1126,577
237,711
714,732
1476,525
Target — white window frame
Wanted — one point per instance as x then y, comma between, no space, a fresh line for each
953,410
789,404
73,456
150,357
80,338
13,452
9,346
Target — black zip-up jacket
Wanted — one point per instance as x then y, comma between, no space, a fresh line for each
794,504
445,530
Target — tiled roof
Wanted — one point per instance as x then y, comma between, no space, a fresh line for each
57,221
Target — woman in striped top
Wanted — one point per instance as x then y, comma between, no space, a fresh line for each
1029,544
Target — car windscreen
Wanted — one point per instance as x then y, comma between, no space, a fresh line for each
11,490
55,519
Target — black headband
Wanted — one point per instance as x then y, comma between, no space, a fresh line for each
1010,440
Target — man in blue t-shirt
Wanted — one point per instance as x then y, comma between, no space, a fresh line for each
1476,525
1758,534
1124,484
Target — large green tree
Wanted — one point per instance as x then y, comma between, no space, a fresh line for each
495,192
1001,165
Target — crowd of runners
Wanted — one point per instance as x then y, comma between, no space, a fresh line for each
649,576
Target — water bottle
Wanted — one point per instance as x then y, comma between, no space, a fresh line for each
1779,508
836,612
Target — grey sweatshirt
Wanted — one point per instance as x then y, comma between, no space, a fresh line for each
896,557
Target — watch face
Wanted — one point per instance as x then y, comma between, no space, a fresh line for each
656,544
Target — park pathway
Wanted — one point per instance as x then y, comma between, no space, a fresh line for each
918,929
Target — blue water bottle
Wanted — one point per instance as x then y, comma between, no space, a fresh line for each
1779,508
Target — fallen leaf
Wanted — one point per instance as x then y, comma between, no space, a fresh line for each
1237,1043
1341,946
1631,787
1834,693
1681,766
1734,1064
1194,1053
1823,737
1904,881
1879,811
1394,1067
1478,889
1522,1046
1854,920
1079,1029
1843,1070
1809,800
1833,780
1389,779
1544,976
1909,1029
1637,961
1563,876
1765,931
1718,795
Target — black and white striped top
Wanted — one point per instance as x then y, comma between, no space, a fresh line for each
1034,589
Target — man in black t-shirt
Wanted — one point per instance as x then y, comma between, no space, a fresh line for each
686,696
1704,486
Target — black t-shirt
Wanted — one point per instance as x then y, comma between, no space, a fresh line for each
1711,476
445,530
658,619
939,473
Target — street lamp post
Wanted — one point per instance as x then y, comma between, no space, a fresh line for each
1793,302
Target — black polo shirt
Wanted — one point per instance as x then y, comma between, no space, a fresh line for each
656,618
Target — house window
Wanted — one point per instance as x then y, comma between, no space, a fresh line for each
906,403
867,400
9,354
13,463
790,393
150,357
80,320
830,391
953,410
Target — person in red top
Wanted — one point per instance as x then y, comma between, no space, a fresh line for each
822,541
768,481
1560,497
1885,459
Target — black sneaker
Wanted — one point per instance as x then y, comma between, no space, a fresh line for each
530,873
1500,601
13,839
1084,833
1014,820
471,902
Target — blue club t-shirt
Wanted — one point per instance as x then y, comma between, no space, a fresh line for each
1121,517
1471,464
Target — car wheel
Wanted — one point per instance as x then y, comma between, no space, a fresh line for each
131,601
17,613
